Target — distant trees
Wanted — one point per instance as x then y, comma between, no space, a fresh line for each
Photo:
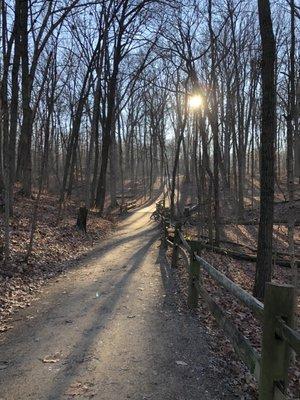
94,101
128,22
61,94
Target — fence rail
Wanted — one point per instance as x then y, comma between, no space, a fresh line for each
276,314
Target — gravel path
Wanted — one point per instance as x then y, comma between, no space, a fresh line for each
109,329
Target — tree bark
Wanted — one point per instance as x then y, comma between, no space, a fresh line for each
82,219
267,150
214,126
24,156
14,102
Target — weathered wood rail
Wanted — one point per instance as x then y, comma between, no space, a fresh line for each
276,314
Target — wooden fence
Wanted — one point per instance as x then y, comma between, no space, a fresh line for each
276,314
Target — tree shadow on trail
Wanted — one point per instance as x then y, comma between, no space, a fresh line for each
91,333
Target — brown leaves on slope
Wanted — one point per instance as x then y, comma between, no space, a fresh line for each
56,247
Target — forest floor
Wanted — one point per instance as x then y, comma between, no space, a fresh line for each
112,328
57,247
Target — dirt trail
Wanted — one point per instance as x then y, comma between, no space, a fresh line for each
112,330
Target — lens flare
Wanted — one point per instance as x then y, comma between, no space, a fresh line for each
195,101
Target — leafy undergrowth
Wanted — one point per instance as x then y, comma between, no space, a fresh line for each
243,274
57,246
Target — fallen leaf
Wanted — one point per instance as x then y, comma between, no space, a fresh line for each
51,359
181,363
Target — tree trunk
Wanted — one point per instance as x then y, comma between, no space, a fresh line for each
24,156
267,151
214,126
82,219
14,103
4,121
94,148
101,189
113,162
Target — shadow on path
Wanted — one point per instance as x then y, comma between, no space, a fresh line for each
104,312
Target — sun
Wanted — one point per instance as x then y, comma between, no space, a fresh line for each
195,101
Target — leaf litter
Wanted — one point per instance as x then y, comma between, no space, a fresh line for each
57,247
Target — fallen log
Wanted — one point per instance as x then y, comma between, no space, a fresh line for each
125,196
243,256
124,208
236,222
256,222
252,249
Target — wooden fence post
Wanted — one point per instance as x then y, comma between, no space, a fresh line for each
175,246
164,233
276,354
198,250
194,272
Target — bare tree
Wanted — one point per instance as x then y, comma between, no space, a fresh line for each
267,150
